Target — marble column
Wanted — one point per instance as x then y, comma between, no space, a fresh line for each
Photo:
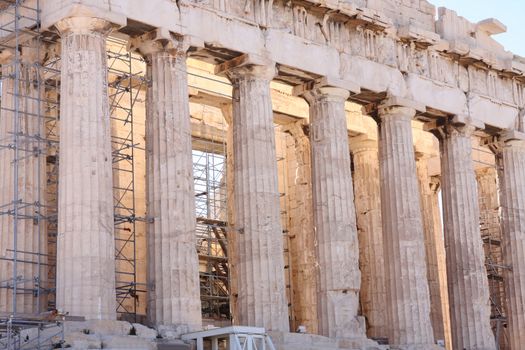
301,227
408,300
339,278
85,242
7,188
371,256
511,161
173,267
31,238
435,251
227,113
261,299
467,276
491,231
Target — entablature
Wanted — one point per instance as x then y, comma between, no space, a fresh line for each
385,46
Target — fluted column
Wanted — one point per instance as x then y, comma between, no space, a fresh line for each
435,251
408,300
7,189
85,242
32,180
261,297
301,228
339,278
511,159
491,231
371,256
467,276
31,270
173,268
31,239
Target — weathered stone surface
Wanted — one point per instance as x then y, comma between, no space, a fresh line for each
7,190
467,276
172,331
434,251
261,297
107,334
408,300
80,341
173,295
127,342
295,341
301,228
85,250
369,228
29,187
491,234
334,216
383,46
100,327
144,332
511,159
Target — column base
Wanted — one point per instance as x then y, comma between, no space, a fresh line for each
298,341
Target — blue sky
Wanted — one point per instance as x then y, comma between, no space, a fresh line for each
510,12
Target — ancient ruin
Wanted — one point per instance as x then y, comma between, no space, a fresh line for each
259,174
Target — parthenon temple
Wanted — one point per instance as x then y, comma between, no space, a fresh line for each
259,174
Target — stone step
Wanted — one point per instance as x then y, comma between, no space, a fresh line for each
161,346
296,341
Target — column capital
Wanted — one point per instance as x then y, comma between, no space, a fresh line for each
326,87
512,137
505,139
398,112
84,25
363,143
399,106
455,126
516,144
326,93
162,40
247,66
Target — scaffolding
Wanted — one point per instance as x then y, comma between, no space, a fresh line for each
126,81
491,234
29,125
26,143
35,97
209,171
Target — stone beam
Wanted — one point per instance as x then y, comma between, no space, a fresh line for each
430,67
